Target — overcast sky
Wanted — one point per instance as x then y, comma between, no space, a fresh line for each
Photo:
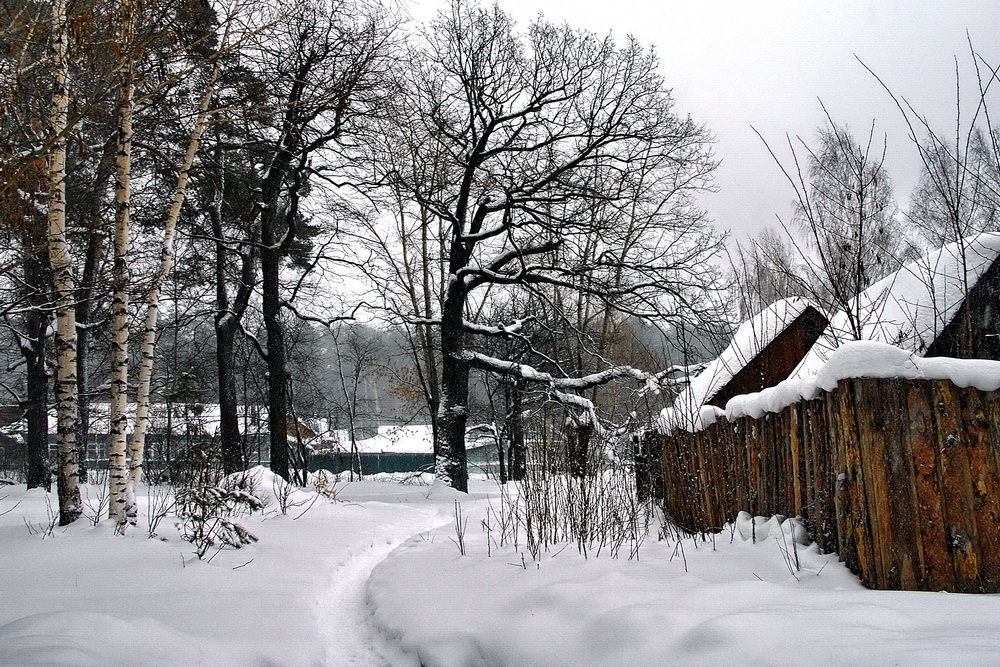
767,62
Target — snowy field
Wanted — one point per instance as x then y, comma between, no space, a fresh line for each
376,577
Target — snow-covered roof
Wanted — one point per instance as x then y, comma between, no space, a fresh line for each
910,308
749,340
410,439
866,359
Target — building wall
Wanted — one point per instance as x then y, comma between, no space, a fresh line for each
974,332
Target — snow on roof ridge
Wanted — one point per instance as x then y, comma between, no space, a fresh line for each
855,359
911,307
750,338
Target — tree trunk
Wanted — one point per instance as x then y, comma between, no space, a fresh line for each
517,453
434,386
450,465
138,445
578,435
83,310
62,277
648,467
118,404
277,376
229,426
270,264
226,324
36,415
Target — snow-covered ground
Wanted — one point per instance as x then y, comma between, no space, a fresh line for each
86,596
376,577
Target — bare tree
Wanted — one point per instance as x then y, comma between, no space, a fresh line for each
846,211
325,66
528,133
357,356
766,269
230,307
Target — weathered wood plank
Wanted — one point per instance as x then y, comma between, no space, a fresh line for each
795,453
871,399
956,487
901,505
985,479
902,478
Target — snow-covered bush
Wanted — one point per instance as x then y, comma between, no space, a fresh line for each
271,490
324,483
205,517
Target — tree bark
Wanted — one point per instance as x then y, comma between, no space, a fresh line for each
450,465
272,249
277,375
233,459
83,312
227,318
138,444
38,471
517,453
118,404
578,435
62,277
427,337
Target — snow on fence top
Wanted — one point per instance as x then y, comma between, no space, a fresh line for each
866,359
749,340
910,308
856,359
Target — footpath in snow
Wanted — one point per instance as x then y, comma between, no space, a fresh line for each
736,599
297,597
377,578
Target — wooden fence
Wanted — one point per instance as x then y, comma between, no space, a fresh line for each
900,477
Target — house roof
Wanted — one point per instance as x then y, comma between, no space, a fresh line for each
910,308
725,373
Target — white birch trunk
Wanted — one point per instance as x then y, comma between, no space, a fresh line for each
62,277
118,472
138,443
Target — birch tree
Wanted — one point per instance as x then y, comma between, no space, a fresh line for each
118,409
137,445
62,276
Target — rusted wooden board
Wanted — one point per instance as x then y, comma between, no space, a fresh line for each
956,487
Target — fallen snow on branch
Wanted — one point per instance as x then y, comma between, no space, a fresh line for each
531,374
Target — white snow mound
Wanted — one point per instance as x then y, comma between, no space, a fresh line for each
268,487
88,638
